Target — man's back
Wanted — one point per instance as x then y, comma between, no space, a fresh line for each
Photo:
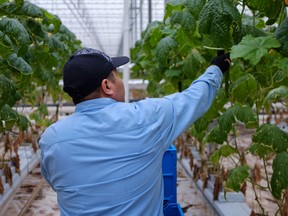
106,158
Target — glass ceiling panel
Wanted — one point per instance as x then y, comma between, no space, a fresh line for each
99,23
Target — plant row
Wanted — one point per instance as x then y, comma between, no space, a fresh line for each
174,52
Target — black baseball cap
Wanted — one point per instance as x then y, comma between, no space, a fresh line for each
85,70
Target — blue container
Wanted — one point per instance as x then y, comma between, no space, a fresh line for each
172,209
169,171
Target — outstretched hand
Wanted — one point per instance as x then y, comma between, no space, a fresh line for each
222,61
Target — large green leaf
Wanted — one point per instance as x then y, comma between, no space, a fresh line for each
253,49
19,64
236,113
271,9
281,34
185,19
172,6
237,176
280,174
218,20
271,135
276,94
223,151
244,87
16,31
30,10
194,6
165,48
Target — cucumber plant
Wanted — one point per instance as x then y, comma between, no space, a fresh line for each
34,45
256,34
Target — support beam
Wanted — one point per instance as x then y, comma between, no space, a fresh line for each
149,11
126,48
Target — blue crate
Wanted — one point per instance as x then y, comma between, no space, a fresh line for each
169,171
172,209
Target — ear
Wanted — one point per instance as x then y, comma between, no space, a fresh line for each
106,87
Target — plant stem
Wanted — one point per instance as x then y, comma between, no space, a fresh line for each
266,175
256,195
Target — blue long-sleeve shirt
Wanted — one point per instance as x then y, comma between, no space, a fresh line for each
106,158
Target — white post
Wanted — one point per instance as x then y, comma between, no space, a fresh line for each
126,48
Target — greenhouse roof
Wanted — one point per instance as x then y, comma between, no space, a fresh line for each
101,24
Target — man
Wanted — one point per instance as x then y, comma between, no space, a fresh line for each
106,158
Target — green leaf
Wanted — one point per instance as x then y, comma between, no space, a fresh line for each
34,28
43,110
253,49
281,34
271,135
8,91
244,87
5,50
19,3
8,117
192,64
236,113
223,151
252,30
260,149
276,94
16,31
218,19
49,19
19,64
282,72
152,36
194,6
271,9
216,135
65,31
185,19
172,73
165,48
170,7
280,174
55,44
23,122
237,176
30,10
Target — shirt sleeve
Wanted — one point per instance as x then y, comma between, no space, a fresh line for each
187,106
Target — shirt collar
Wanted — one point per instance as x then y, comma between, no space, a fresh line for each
94,104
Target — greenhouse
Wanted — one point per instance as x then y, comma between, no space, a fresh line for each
144,107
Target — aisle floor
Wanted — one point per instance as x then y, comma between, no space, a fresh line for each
191,200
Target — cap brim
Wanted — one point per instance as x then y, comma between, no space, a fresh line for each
120,60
